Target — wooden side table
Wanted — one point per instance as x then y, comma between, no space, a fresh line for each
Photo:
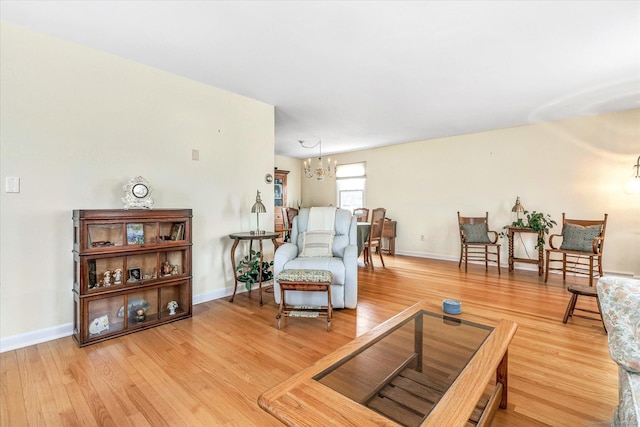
512,259
305,280
271,235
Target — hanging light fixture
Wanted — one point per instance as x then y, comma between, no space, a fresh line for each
320,170
633,186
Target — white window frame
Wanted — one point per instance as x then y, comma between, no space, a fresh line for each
351,177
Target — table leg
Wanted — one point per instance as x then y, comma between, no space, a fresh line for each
511,236
329,307
540,258
501,377
233,263
260,271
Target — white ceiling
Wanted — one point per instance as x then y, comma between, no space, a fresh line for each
361,74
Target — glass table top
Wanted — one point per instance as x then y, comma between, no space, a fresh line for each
404,373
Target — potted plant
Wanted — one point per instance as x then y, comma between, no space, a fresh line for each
249,270
538,222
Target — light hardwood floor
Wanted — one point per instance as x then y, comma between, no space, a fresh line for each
210,370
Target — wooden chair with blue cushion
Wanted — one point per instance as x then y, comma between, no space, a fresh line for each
581,249
475,243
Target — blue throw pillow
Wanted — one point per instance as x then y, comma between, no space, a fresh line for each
476,233
578,237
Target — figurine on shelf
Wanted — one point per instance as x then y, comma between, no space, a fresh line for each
99,324
106,281
174,270
117,276
140,315
166,268
172,307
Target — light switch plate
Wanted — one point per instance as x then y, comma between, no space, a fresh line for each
12,184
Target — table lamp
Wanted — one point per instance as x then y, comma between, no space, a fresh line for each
258,208
517,208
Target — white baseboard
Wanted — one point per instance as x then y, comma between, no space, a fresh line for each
35,337
43,335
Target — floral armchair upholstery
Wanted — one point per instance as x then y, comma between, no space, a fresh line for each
620,303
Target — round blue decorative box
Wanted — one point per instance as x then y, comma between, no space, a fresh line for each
451,306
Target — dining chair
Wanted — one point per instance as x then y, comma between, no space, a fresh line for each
375,236
287,215
361,214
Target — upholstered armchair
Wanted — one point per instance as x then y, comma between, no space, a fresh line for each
619,299
341,260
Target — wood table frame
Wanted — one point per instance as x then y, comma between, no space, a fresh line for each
540,261
303,401
250,236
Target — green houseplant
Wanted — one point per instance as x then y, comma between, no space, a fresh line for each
538,222
248,270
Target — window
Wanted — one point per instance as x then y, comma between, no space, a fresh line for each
350,180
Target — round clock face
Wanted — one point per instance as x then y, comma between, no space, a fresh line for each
140,190
268,178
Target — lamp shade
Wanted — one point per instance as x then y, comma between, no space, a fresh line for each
258,208
518,208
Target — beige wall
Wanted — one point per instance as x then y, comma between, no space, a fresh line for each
576,166
76,125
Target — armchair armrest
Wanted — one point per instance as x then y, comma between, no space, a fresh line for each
495,236
285,253
597,244
551,237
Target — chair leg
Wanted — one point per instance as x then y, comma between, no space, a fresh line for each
486,258
590,271
564,267
381,259
498,253
460,262
546,269
570,307
466,257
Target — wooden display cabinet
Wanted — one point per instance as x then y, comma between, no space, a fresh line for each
279,199
128,266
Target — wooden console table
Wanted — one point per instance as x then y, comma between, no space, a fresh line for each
271,235
513,259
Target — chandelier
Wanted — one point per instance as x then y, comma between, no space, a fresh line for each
320,170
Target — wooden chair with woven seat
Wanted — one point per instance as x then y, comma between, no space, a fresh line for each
375,236
587,291
475,243
361,214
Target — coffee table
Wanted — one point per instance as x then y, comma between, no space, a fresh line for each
419,368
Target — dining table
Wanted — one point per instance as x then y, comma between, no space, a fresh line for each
363,235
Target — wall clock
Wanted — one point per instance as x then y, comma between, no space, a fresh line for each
137,194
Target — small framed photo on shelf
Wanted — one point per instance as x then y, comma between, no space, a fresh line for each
135,234
135,274
177,231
